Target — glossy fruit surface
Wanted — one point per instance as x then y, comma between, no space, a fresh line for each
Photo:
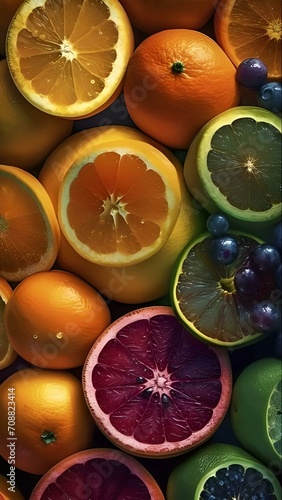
250,29
217,224
152,388
265,258
217,471
234,166
29,229
48,427
224,249
27,135
203,293
118,205
146,15
100,473
269,97
53,318
60,58
252,73
256,420
265,316
174,74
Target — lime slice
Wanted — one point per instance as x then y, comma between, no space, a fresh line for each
220,471
234,166
203,295
256,411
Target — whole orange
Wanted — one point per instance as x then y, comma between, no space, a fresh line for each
53,318
176,81
44,418
151,16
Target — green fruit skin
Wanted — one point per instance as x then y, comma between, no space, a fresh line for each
248,409
184,480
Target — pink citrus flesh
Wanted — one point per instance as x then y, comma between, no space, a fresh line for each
153,388
100,473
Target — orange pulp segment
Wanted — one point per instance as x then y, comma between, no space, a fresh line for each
251,29
68,57
29,230
118,205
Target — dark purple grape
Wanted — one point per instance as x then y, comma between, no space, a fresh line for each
217,224
265,258
265,316
224,249
269,96
252,73
247,281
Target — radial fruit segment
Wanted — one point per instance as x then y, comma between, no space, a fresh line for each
219,471
29,230
69,57
251,28
203,294
100,473
119,205
234,166
154,389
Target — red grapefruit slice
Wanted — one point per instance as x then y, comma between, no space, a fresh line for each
100,473
154,389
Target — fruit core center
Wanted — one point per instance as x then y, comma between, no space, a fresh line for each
227,285
67,50
3,224
274,30
113,207
250,164
48,437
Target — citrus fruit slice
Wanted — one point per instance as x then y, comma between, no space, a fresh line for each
29,229
203,294
152,388
68,58
256,411
119,204
7,353
53,318
234,166
47,412
100,473
219,471
250,29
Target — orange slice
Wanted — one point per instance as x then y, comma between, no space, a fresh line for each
68,57
29,229
251,29
119,204
7,353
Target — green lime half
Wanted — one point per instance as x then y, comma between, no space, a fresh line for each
234,166
256,411
203,295
220,471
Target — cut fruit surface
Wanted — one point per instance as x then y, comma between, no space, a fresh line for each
234,166
68,58
152,388
29,229
100,473
219,471
119,204
252,28
203,293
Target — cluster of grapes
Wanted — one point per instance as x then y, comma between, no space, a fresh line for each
252,73
258,283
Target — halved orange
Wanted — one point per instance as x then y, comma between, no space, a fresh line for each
7,353
29,229
68,57
119,203
250,29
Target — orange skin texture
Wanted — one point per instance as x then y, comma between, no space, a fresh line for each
53,318
5,494
149,16
27,135
10,355
172,107
46,402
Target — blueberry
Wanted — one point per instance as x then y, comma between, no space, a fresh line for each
269,96
217,224
247,281
265,257
224,249
252,73
265,316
